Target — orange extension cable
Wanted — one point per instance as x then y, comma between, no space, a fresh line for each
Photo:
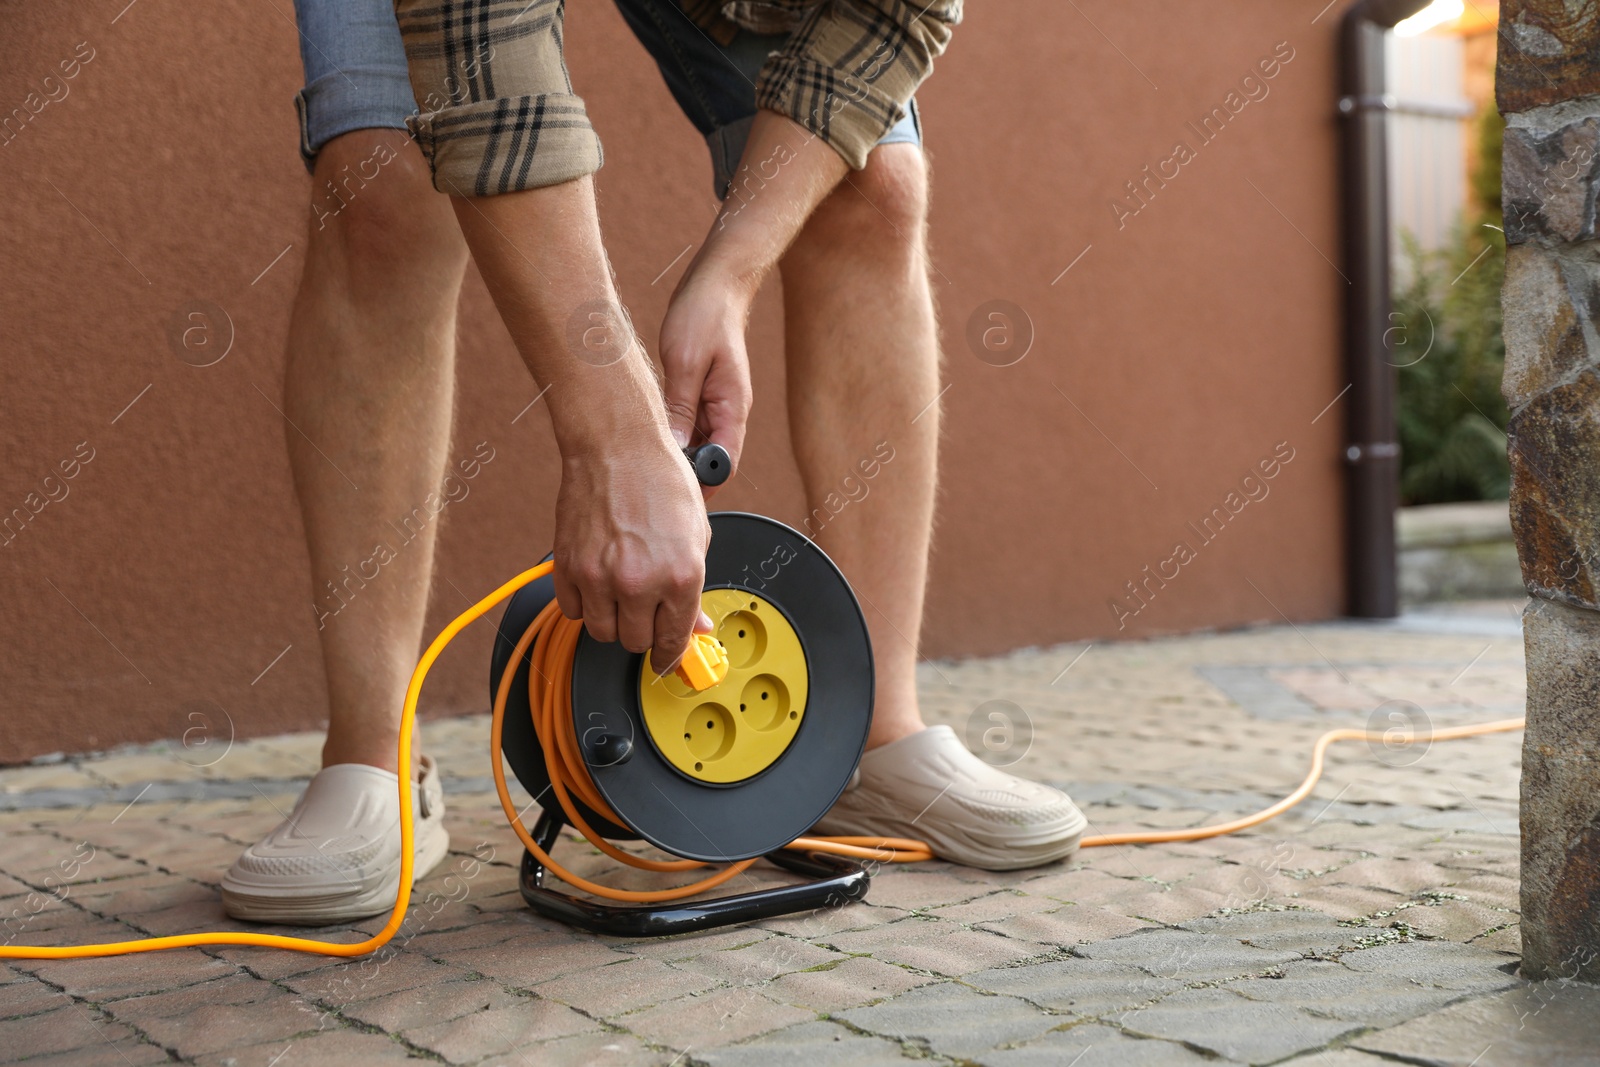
1200,833
407,844
554,638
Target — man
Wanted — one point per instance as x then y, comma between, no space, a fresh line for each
808,111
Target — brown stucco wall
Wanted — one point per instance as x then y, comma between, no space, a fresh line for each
1191,341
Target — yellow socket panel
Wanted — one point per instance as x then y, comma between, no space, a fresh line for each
738,727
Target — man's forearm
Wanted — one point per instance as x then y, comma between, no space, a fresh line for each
540,255
785,173
630,530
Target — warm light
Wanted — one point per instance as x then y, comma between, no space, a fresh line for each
1435,14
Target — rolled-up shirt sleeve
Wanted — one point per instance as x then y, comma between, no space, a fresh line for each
497,110
850,69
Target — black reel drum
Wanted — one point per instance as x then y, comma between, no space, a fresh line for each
733,772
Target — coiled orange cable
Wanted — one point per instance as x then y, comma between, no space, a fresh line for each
554,662
554,639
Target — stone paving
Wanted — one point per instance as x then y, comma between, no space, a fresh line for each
1376,922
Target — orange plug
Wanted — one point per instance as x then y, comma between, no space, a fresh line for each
704,664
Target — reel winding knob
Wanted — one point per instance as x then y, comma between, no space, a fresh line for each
711,462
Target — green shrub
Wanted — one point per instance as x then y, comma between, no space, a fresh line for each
1447,346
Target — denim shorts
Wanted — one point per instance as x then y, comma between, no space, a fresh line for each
356,75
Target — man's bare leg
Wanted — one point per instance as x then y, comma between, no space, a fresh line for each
863,367
863,362
367,401
368,395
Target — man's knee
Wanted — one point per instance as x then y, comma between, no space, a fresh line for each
894,185
880,209
373,204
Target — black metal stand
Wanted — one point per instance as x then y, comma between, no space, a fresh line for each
835,882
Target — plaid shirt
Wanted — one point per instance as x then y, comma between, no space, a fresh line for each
498,113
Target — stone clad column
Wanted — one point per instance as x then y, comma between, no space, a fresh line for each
1548,87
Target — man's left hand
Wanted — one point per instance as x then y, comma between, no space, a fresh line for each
707,368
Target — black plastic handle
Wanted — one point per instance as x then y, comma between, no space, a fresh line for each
711,462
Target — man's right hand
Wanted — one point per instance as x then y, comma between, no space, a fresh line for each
630,546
